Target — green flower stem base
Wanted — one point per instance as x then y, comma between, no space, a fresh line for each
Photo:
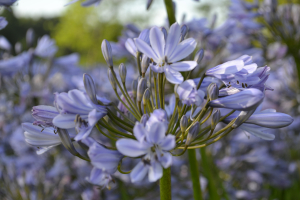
194,170
165,185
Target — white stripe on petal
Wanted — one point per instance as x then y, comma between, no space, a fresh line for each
64,121
155,171
139,132
257,131
229,67
156,132
130,46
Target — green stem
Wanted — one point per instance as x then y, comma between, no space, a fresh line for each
213,191
170,11
165,185
195,174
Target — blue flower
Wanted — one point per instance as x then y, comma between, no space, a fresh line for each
153,144
188,94
166,53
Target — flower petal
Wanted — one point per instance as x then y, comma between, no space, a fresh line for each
139,132
184,66
155,171
172,39
270,120
183,49
131,148
165,159
229,67
157,132
64,121
157,41
139,172
173,76
246,100
146,49
168,143
130,46
257,131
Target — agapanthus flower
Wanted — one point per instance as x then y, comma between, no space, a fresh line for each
7,2
46,47
130,45
15,64
154,145
188,93
44,115
166,54
3,23
74,103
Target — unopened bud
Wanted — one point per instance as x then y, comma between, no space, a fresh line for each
184,122
134,88
149,2
30,37
199,55
18,47
111,79
66,141
164,32
212,91
107,52
146,96
215,118
144,119
184,31
122,72
90,87
179,106
193,132
141,88
145,63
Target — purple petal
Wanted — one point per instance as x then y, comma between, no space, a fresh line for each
131,148
245,100
146,49
64,121
155,171
165,159
229,67
139,132
157,132
172,39
139,172
168,143
257,131
130,46
183,49
157,68
173,76
157,41
184,66
270,120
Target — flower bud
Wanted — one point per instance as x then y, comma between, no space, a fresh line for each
18,47
122,72
107,52
212,91
111,79
146,96
90,87
199,55
184,31
145,63
193,132
141,88
149,2
144,119
66,141
164,32
215,119
30,37
175,91
134,88
184,122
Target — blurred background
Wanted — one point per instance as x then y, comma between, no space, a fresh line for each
238,167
